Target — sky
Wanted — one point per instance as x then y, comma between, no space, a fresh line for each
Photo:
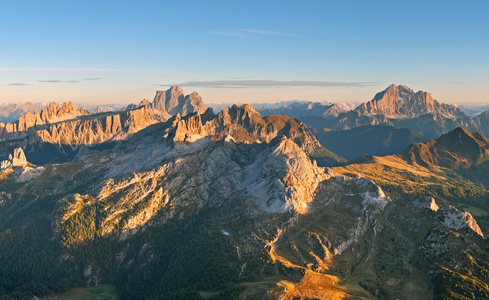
242,51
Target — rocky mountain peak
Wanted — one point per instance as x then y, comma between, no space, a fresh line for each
459,149
398,102
174,101
60,112
471,145
208,115
243,113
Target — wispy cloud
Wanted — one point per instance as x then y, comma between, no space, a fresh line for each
21,69
92,79
228,33
241,77
270,83
248,32
261,31
49,81
54,81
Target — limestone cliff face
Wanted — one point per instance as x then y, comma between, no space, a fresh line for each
189,129
91,131
401,102
30,122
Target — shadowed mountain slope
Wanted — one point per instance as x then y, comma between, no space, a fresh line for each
376,140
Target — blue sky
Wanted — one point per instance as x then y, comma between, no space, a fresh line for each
242,51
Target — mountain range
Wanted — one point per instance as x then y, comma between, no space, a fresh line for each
168,200
397,107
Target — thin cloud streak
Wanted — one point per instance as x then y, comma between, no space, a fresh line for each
271,83
18,84
261,31
49,81
18,69
228,33
91,79
248,32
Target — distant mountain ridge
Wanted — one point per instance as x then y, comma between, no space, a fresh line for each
378,140
304,109
12,112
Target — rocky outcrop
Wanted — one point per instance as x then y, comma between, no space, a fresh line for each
457,220
17,159
189,129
